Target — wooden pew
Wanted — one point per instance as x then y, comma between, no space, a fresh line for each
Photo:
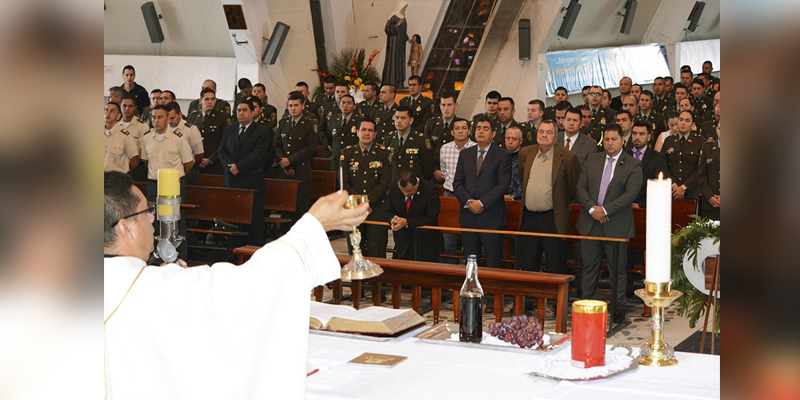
418,274
321,164
234,206
323,183
320,152
210,180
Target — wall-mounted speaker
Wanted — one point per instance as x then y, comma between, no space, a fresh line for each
275,43
695,15
630,11
152,22
524,39
569,19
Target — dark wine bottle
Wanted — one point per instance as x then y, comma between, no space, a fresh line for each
471,305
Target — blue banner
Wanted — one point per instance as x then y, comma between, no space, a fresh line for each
604,67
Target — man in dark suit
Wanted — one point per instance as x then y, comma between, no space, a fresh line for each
480,184
607,186
579,144
258,117
242,154
295,145
653,162
548,176
414,202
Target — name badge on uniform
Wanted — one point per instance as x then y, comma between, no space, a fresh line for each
412,151
709,161
434,138
333,132
354,166
375,164
670,151
283,135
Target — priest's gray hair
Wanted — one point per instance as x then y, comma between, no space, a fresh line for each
118,201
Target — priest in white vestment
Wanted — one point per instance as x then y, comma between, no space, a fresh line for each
211,332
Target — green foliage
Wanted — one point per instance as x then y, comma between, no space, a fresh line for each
686,241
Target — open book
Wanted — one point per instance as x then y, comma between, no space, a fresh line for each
380,320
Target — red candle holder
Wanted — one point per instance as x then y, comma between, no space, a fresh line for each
589,333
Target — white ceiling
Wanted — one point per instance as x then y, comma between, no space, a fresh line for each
194,28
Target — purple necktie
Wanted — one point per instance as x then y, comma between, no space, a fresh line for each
604,182
638,155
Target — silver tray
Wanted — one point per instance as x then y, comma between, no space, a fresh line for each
633,364
438,334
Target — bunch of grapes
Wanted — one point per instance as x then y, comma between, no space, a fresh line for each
521,330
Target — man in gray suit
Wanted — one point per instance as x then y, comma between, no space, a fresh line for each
607,186
573,140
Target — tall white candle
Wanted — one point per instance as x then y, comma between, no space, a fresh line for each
659,230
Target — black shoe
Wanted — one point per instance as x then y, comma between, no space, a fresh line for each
619,317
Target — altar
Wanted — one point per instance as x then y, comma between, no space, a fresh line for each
446,372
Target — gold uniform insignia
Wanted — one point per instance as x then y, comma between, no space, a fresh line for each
419,108
353,129
428,144
314,128
530,137
603,120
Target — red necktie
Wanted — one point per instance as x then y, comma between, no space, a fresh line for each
408,204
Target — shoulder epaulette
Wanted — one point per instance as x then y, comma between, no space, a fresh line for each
141,120
349,147
125,132
380,146
177,133
188,125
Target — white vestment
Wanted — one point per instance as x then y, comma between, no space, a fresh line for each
221,332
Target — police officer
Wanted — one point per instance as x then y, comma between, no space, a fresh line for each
505,115
313,110
245,91
258,114
367,170
192,135
383,112
210,120
440,129
120,148
709,177
329,95
370,92
646,114
167,149
559,96
409,149
700,102
196,106
330,111
295,145
155,99
600,115
422,108
343,130
268,111
683,152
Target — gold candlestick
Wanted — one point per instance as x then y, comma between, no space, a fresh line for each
358,267
657,352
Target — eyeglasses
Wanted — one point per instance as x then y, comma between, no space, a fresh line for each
595,94
150,209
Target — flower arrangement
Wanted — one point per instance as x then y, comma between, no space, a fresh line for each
686,241
349,66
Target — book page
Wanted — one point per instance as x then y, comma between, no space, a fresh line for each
375,314
325,312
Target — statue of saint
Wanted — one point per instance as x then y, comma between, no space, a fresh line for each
394,69
415,57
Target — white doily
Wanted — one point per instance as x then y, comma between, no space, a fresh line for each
559,366
493,341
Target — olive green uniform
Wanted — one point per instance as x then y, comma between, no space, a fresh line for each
369,172
211,126
709,177
384,120
683,158
422,110
414,154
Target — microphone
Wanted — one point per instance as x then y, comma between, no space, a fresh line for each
168,215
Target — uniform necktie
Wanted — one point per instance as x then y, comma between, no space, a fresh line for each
639,155
605,181
480,161
594,112
205,117
292,124
408,203
683,140
446,125
400,140
241,131
566,145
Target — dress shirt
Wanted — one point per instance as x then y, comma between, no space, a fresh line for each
539,193
613,168
448,160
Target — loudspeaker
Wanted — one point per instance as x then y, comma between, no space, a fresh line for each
151,20
524,39
569,19
275,43
630,11
695,15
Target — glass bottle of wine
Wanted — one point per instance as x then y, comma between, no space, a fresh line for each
471,305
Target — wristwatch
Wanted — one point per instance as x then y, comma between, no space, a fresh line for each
684,187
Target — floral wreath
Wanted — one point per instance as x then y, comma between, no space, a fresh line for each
686,242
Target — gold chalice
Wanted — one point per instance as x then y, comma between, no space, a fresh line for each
358,267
